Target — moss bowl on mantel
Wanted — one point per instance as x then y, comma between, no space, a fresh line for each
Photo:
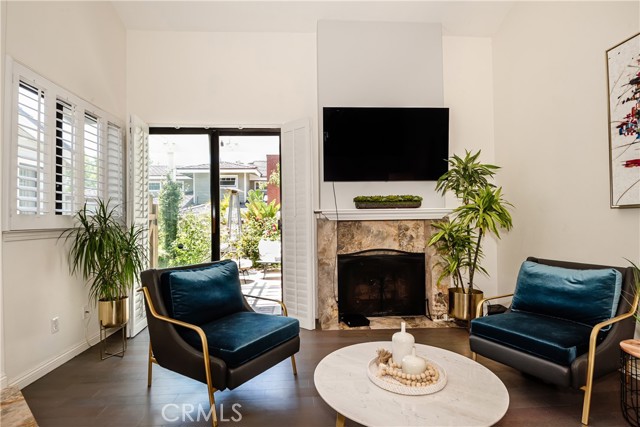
387,202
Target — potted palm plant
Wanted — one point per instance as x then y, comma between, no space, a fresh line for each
108,256
458,240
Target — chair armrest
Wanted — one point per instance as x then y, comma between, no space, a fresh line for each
596,329
482,301
198,329
284,307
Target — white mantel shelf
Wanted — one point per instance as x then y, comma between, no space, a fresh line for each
383,214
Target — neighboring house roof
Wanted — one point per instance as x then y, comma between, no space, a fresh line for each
234,165
160,172
261,165
225,168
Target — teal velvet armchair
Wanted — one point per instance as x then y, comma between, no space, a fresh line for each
201,326
564,325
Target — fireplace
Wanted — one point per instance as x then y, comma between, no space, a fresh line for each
336,239
381,282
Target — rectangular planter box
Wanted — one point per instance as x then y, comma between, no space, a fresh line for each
387,205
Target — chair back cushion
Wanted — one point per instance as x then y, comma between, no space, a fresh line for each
584,296
201,295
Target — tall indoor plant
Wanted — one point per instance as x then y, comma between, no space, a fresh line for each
108,256
458,241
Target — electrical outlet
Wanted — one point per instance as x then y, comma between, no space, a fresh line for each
55,325
86,313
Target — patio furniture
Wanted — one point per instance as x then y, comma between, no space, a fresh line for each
201,326
270,253
564,324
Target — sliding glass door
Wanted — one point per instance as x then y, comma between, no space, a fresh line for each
182,207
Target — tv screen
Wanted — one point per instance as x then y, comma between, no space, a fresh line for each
385,143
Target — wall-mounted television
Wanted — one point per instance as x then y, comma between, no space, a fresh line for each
385,143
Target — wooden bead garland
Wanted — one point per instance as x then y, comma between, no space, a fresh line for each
391,372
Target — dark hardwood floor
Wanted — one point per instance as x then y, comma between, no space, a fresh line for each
93,393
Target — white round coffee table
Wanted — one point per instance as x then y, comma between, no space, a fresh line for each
473,396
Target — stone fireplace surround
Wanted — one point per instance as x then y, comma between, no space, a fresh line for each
357,234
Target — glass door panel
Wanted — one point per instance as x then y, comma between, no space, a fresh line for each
180,187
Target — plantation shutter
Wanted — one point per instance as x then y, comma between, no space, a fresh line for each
63,150
31,169
138,206
298,259
67,170
115,167
93,161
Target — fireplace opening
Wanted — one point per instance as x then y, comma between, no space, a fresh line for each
381,282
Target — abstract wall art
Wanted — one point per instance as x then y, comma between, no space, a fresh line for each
623,75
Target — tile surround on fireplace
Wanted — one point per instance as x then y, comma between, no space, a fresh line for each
343,237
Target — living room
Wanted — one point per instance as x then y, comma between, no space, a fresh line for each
525,82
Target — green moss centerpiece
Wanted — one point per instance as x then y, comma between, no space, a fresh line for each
385,202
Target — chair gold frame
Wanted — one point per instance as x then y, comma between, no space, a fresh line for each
205,348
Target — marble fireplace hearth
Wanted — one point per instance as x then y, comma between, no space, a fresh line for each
343,237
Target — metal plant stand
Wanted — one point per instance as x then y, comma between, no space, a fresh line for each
630,381
105,353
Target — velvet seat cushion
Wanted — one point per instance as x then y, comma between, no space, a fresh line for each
201,295
554,339
583,296
240,337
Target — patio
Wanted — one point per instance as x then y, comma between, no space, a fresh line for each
254,282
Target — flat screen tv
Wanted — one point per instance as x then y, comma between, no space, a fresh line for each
385,143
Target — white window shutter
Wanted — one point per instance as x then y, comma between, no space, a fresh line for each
59,153
298,259
67,169
138,206
31,170
115,167
93,161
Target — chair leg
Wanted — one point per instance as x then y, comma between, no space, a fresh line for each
212,402
474,356
591,362
150,367
586,405
293,365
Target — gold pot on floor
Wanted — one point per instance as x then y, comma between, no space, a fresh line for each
459,303
112,313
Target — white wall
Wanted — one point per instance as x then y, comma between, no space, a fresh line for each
551,133
468,92
3,39
81,47
221,79
378,64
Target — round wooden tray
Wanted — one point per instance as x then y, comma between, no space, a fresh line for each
390,384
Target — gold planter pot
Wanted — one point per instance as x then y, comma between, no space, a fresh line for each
459,303
114,312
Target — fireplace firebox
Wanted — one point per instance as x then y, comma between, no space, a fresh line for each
381,282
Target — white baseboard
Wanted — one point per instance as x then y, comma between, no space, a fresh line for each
43,369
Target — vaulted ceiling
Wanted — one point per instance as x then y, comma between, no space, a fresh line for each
461,18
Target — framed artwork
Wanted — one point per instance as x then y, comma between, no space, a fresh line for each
623,75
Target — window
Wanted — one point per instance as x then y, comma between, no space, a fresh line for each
228,181
154,186
31,151
64,152
93,169
65,158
